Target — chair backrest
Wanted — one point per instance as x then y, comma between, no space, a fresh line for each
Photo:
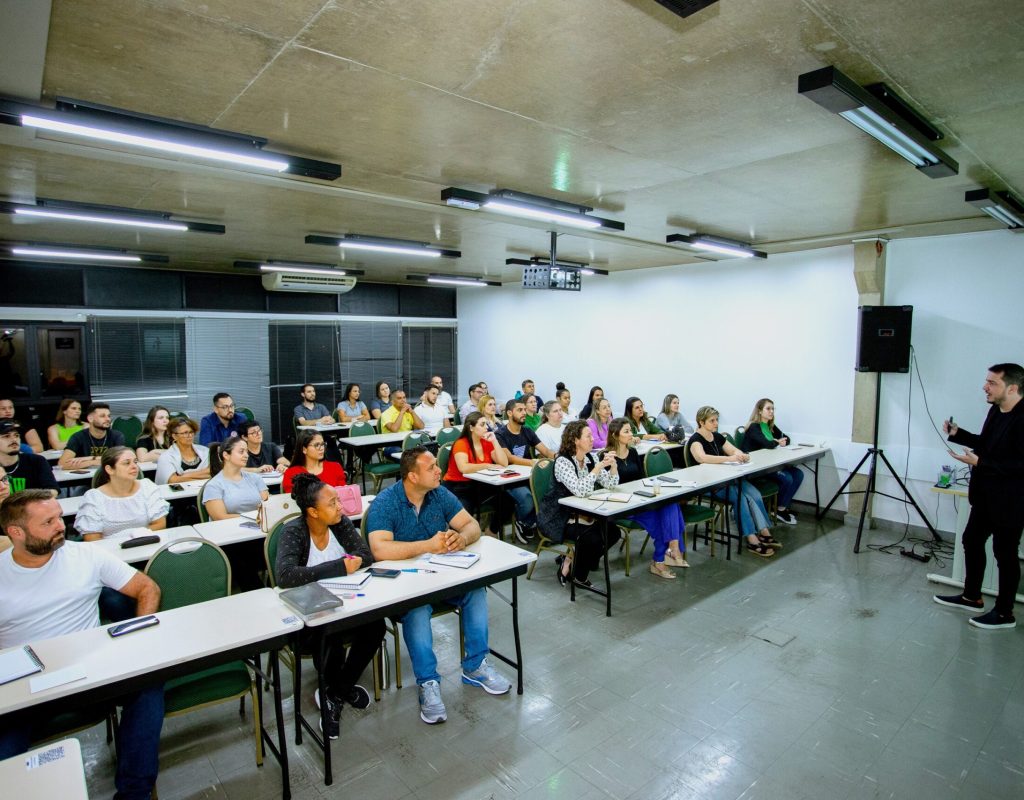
129,427
443,454
415,439
361,428
657,462
541,476
246,412
270,547
458,416
203,516
687,455
446,435
196,576
737,438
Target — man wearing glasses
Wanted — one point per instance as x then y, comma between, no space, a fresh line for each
263,456
222,423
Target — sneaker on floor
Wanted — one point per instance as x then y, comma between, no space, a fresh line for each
333,715
524,533
786,517
487,678
432,710
357,697
958,601
993,621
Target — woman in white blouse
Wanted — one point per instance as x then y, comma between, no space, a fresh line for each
120,501
184,460
550,432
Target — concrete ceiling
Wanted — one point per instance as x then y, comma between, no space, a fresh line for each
668,125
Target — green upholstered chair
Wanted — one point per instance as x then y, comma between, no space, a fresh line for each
541,477
446,435
711,516
246,412
130,428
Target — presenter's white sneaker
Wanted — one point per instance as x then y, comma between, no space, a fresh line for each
487,678
432,710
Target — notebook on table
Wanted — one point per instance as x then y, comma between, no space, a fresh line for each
457,558
18,663
353,581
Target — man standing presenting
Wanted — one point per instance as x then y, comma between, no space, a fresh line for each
309,411
23,470
85,448
408,519
996,494
222,423
49,588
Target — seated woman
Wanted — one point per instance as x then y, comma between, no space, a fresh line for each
476,448
665,525
533,420
184,460
708,446
488,408
642,427
564,398
232,489
309,457
120,501
599,421
155,437
576,471
322,543
670,417
596,393
550,432
68,423
352,409
763,434
381,399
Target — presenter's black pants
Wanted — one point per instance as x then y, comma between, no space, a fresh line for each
984,522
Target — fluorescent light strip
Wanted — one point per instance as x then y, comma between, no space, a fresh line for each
873,125
277,165
76,217
517,210
1004,216
722,249
74,254
300,270
388,248
456,281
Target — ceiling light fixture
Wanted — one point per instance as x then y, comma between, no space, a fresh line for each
880,113
717,244
1001,206
452,280
67,211
305,267
76,255
529,206
378,244
96,122
37,251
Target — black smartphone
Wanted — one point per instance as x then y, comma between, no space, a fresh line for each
667,479
133,625
176,488
644,493
380,572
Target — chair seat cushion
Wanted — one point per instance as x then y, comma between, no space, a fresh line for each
381,469
207,686
694,515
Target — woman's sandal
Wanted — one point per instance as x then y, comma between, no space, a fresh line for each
662,572
760,549
676,561
770,541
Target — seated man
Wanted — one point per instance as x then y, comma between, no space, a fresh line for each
23,470
263,456
528,387
415,516
85,448
50,588
220,424
476,391
518,440
443,398
309,411
431,412
31,443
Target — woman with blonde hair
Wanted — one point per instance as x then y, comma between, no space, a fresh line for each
763,434
488,408
599,421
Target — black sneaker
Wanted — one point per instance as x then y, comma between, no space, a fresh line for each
357,697
523,533
333,715
958,601
786,517
993,621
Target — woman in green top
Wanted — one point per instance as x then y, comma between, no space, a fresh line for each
763,434
533,417
66,425
642,427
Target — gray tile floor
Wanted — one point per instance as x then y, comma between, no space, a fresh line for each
879,693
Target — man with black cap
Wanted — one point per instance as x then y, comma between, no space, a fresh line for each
24,470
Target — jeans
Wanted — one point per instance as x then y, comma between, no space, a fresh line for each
116,607
984,522
664,525
138,743
523,500
789,480
419,636
747,506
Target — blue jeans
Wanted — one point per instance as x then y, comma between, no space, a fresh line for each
789,480
138,743
419,637
664,525
525,512
747,506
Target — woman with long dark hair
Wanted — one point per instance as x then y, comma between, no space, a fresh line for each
351,408
596,393
155,436
476,449
67,424
232,491
120,501
309,456
642,427
381,399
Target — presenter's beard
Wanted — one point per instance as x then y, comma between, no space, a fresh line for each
43,547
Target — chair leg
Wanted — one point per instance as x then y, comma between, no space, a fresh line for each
643,547
398,658
540,546
110,729
256,721
241,706
377,677
625,546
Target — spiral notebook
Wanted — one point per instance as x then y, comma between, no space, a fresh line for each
18,663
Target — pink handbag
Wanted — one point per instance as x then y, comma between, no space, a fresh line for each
350,498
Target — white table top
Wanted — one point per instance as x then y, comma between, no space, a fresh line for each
523,473
70,476
340,426
133,555
54,770
375,440
183,635
379,593
51,455
646,445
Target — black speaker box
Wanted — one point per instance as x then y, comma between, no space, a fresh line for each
883,338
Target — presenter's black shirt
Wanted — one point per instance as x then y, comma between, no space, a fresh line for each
998,480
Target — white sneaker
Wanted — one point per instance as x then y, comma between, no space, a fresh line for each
432,710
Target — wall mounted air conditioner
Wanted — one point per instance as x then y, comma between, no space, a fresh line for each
321,284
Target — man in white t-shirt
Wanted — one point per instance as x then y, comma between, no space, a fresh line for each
430,410
443,398
49,588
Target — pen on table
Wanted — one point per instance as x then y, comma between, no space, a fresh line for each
420,569
352,596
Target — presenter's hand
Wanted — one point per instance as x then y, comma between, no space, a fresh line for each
968,457
949,430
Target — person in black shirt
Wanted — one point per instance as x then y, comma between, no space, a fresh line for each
762,433
24,470
263,456
85,448
996,494
518,441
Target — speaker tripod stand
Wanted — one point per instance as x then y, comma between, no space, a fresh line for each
875,453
